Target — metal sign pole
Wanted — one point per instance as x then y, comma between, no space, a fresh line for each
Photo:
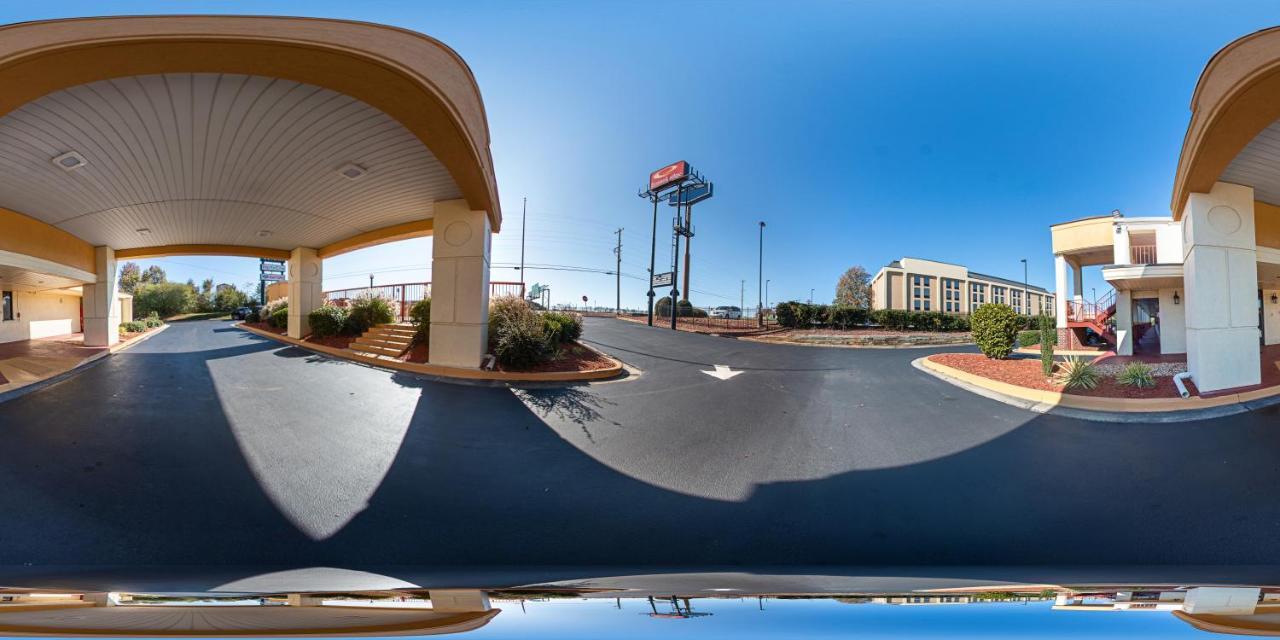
675,261
653,249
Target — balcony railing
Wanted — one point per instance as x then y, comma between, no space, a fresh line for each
1142,254
403,296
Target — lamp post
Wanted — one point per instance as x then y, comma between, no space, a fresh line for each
766,293
759,278
1025,298
811,295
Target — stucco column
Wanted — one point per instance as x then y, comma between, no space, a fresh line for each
1077,279
101,315
459,285
306,291
1124,323
1220,278
457,600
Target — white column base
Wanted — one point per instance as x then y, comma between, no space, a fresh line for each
306,291
1124,323
459,286
101,313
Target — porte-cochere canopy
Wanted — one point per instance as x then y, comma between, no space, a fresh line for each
291,138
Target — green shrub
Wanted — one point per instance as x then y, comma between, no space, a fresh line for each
662,307
844,316
504,311
895,319
561,326
135,326
420,317
328,320
994,328
279,317
1137,374
1077,373
367,311
1048,338
787,314
151,322
522,341
1028,338
254,315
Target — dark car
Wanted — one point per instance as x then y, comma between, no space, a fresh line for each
241,313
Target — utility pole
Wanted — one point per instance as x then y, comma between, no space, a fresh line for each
524,208
766,293
653,250
759,280
742,295
617,308
811,296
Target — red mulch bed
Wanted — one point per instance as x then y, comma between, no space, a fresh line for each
337,342
960,336
719,326
1025,372
263,326
572,357
417,353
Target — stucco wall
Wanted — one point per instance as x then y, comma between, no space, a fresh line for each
42,315
1173,324
1271,317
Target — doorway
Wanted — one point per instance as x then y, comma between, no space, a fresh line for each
1146,326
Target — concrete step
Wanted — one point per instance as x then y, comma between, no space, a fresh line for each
380,341
376,350
393,330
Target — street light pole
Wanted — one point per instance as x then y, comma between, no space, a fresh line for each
766,293
524,208
810,295
1026,299
759,278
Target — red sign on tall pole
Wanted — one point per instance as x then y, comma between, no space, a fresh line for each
670,174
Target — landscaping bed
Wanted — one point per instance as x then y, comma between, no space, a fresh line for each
268,327
868,337
337,342
571,357
1026,372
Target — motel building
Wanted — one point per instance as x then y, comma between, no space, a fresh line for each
1249,611
916,284
1204,282
48,613
294,139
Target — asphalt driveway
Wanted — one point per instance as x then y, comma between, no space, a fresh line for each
207,445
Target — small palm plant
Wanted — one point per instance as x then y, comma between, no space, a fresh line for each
1077,373
1137,374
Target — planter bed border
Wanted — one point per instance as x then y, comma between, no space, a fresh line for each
451,373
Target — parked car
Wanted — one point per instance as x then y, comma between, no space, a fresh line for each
730,313
241,313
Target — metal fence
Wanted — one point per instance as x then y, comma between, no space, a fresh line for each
403,296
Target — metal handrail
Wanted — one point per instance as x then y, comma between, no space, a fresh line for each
404,295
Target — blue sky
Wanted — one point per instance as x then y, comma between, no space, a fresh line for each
734,619
860,132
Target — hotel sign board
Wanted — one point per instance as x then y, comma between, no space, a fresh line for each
271,266
673,173
691,194
663,279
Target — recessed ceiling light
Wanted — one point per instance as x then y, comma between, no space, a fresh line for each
264,233
352,171
144,231
69,160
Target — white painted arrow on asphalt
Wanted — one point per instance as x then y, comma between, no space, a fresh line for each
723,372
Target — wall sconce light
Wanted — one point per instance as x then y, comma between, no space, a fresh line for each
1176,298
1274,299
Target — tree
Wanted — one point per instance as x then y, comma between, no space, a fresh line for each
854,288
130,275
165,298
154,275
228,298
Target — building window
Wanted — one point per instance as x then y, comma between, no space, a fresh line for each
977,295
997,294
1016,295
921,293
6,309
951,295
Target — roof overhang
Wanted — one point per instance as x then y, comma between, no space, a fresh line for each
417,81
1143,276
1236,98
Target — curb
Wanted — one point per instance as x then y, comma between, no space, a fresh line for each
14,394
945,345
450,374
1102,409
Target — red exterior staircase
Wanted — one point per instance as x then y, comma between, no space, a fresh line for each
1094,315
